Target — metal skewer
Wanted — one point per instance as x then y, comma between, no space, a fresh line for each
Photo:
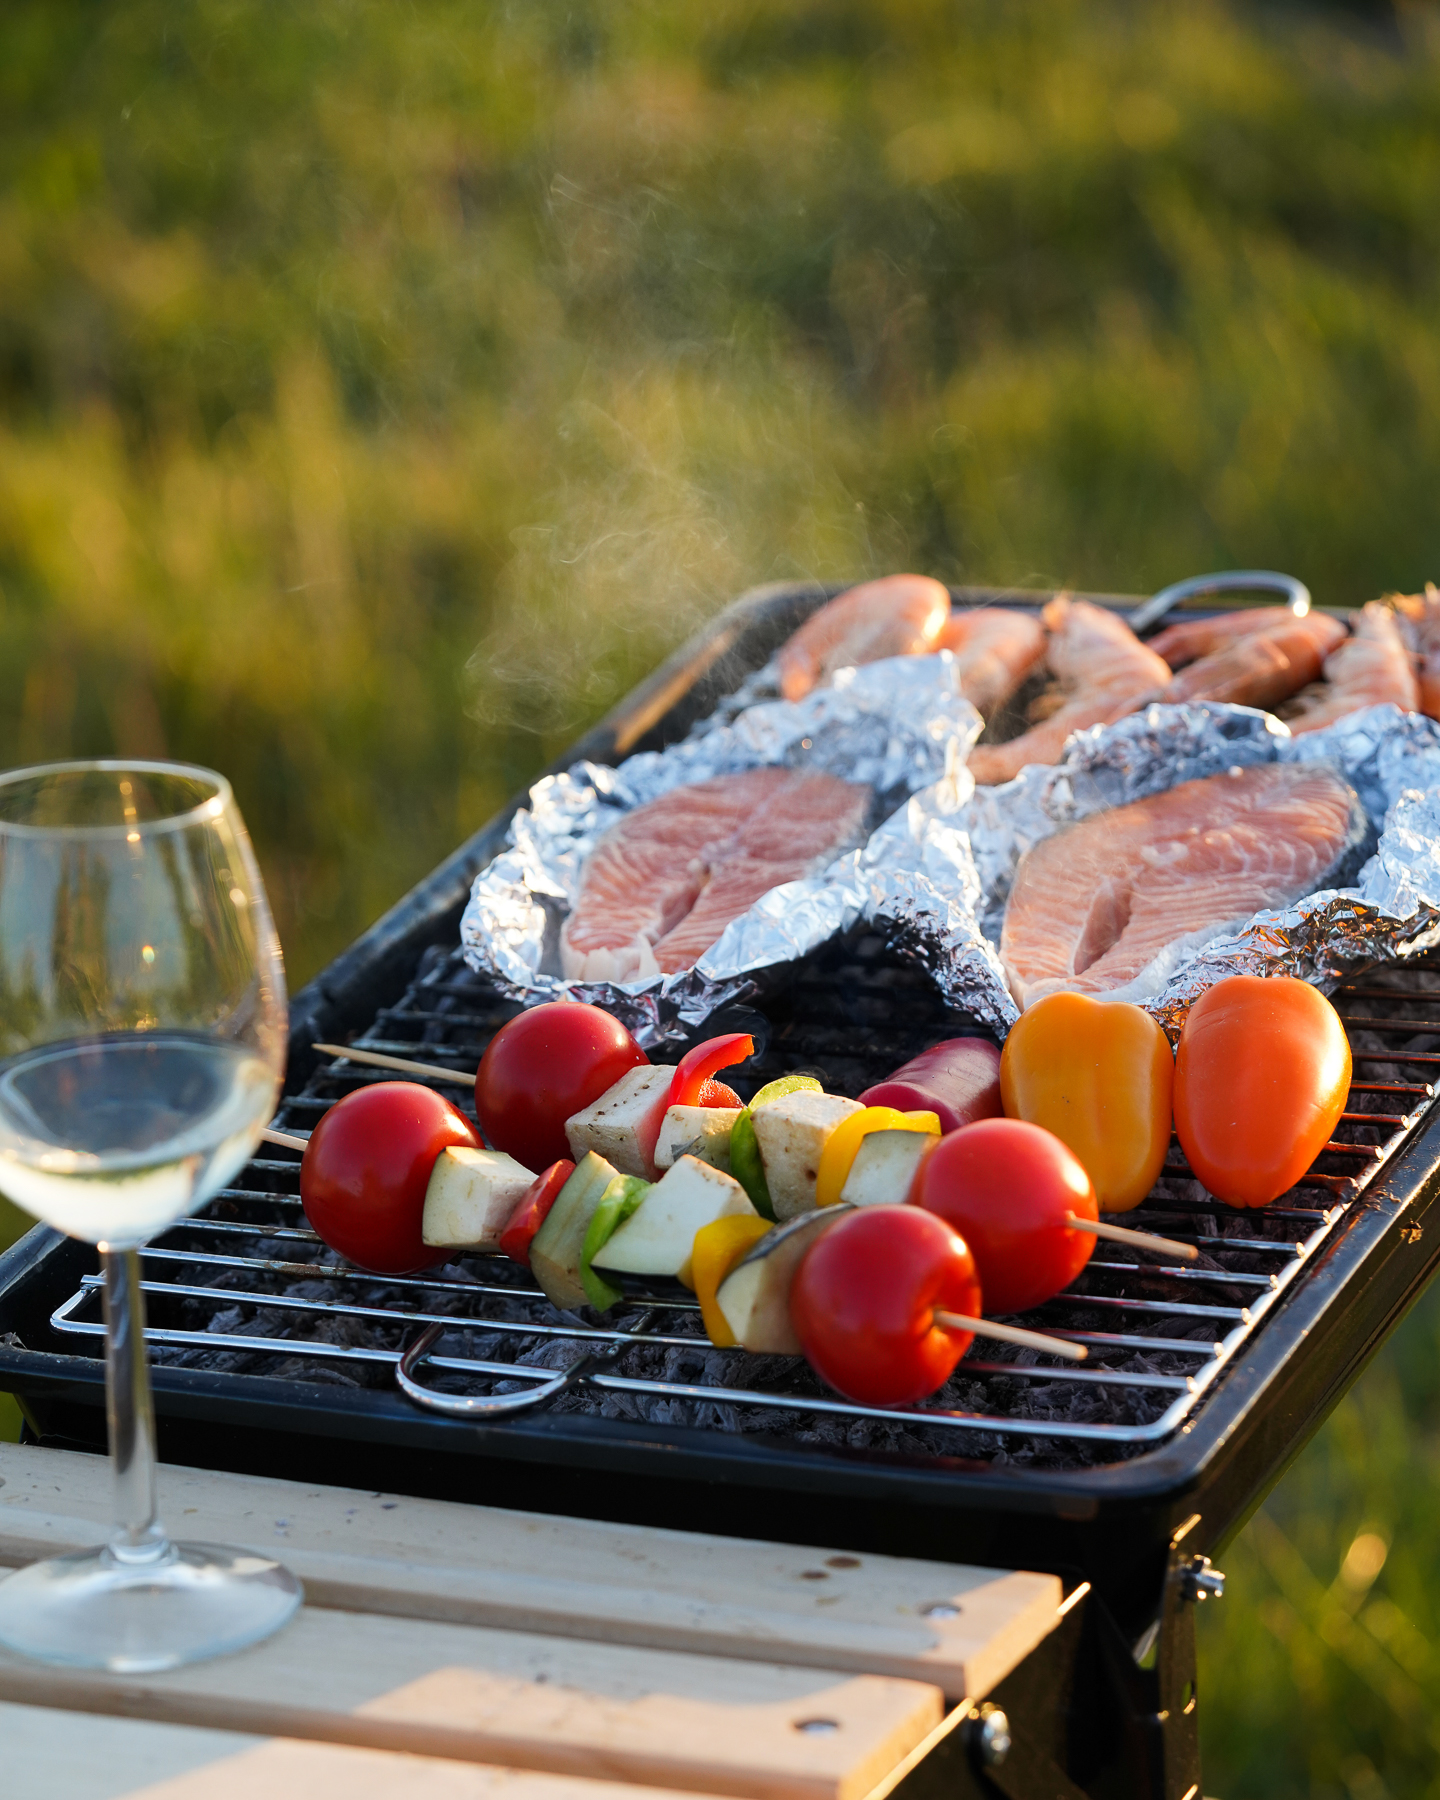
402,1065
1011,1334
1137,1240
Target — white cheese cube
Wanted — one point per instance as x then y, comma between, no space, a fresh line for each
659,1236
791,1133
610,1126
471,1196
702,1131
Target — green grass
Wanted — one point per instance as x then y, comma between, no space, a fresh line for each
383,389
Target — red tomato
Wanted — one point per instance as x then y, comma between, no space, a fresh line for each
717,1093
365,1170
532,1209
541,1069
1006,1187
1261,1078
863,1304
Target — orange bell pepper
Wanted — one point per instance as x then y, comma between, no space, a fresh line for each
1261,1079
1099,1074
844,1142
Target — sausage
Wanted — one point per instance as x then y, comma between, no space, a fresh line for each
959,1080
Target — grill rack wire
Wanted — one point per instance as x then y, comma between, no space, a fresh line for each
853,1012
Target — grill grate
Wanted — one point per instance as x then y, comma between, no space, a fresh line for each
246,1286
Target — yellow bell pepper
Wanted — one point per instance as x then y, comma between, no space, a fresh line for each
844,1141
718,1247
1099,1074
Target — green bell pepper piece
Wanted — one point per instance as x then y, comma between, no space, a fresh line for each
745,1160
617,1203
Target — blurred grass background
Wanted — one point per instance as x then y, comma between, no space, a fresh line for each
385,388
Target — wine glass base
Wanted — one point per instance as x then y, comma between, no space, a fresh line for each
92,1610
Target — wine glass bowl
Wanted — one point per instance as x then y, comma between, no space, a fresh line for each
142,1045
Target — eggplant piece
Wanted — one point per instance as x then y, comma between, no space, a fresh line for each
755,1295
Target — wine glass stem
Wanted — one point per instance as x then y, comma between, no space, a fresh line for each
138,1535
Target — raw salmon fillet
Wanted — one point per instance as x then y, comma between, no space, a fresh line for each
1094,905
662,885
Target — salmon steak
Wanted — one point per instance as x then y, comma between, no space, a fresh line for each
1093,906
661,885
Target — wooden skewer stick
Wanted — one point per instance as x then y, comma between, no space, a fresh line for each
1011,1334
399,1063
285,1139
1137,1240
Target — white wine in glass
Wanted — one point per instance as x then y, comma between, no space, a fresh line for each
142,1043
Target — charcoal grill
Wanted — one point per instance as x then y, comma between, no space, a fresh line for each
1126,1474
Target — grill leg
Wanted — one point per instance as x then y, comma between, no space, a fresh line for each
1081,1719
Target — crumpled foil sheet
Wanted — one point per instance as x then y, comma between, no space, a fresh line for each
898,726
945,901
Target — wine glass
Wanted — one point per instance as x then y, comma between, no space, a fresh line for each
142,1042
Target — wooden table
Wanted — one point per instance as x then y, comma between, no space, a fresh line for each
448,1652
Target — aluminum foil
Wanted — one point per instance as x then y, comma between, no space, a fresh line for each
945,900
900,727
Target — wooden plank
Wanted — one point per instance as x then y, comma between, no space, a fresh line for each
521,1700
49,1755
960,1626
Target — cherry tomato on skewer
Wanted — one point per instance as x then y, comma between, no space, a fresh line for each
365,1170
863,1304
541,1069
1006,1187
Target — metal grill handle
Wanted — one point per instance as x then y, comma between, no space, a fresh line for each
480,1406
1230,581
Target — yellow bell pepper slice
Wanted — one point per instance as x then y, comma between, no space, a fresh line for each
844,1142
1099,1074
718,1247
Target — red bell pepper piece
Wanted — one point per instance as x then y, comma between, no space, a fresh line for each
531,1210
716,1093
689,1083
699,1064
